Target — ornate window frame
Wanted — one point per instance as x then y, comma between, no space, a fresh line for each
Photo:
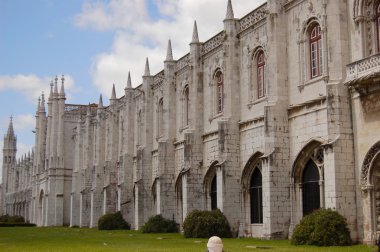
304,52
218,80
254,66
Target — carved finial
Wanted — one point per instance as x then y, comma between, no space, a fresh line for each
62,93
169,52
147,71
56,85
38,104
100,105
129,82
230,11
10,132
42,106
195,38
113,95
51,90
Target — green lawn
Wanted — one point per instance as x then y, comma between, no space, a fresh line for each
75,239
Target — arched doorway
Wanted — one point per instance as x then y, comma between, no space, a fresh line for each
212,188
252,197
310,188
370,185
307,189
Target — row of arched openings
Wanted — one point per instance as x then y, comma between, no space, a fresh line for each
310,184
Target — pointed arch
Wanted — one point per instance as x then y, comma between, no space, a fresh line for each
307,179
248,169
367,166
210,186
252,194
303,157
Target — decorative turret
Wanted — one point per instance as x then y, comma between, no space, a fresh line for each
100,104
62,94
113,95
169,52
56,86
129,82
147,71
38,106
230,11
42,105
10,136
195,38
51,92
129,90
9,158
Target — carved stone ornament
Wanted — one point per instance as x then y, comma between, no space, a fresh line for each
252,18
369,158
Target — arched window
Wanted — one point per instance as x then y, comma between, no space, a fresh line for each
160,118
213,194
310,188
186,106
256,197
377,21
260,75
219,81
315,45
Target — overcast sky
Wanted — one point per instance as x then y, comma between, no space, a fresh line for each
94,44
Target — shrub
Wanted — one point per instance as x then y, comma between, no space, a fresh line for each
5,224
11,219
204,224
323,227
113,222
158,224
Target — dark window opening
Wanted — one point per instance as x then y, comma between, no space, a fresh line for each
256,197
213,194
310,188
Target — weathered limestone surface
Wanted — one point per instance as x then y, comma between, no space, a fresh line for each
192,136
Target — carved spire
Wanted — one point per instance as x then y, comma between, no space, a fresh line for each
11,132
169,52
147,71
56,85
100,104
195,38
42,105
129,82
230,11
62,93
113,95
51,90
38,105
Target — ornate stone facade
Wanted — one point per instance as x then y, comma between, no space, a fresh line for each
273,117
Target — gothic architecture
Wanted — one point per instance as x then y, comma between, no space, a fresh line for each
273,117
